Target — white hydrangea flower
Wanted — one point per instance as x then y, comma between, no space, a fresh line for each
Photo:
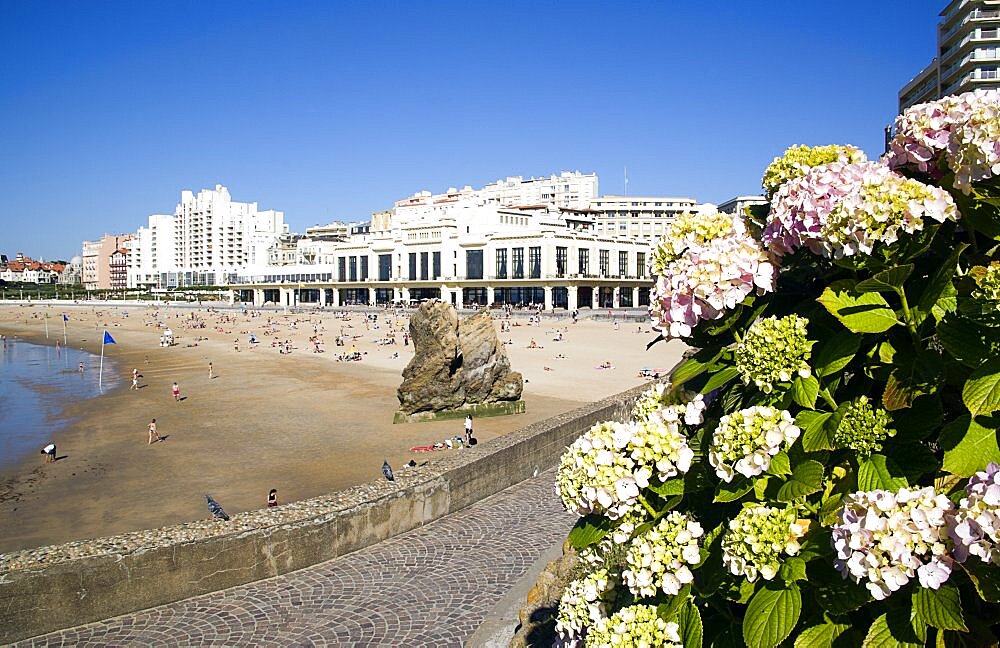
596,475
583,603
964,130
839,210
635,626
745,441
660,400
758,538
886,538
796,160
708,275
774,350
659,445
976,527
659,558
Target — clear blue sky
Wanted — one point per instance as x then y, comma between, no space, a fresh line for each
330,110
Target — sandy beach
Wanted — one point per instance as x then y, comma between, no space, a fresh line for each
302,423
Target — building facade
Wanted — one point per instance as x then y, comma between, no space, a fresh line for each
738,204
968,53
96,260
642,218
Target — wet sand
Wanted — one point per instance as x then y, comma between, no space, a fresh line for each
302,423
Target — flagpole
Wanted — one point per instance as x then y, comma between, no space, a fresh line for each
100,373
46,318
64,330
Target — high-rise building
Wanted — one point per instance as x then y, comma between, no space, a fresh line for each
968,53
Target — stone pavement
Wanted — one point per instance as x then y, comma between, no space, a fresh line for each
432,586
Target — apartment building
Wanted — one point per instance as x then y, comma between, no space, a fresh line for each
642,218
96,260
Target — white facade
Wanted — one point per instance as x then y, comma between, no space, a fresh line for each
643,218
739,203
207,240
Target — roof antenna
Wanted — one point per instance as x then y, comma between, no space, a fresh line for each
626,182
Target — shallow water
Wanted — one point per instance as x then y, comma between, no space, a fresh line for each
36,382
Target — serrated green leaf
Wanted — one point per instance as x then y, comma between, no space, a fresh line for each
837,596
940,287
780,465
792,569
985,579
589,530
834,353
772,614
690,628
880,472
965,340
981,393
805,391
820,636
694,366
814,433
894,630
968,446
886,281
807,478
720,379
668,488
919,419
734,490
861,313
941,608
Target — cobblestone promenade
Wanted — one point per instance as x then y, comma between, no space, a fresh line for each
432,586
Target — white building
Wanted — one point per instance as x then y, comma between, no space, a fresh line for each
642,218
209,238
739,203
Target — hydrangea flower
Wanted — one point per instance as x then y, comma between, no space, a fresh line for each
659,445
758,538
707,277
690,230
669,406
863,428
963,130
839,210
659,558
583,603
976,526
745,441
774,350
987,280
635,626
596,475
886,538
796,160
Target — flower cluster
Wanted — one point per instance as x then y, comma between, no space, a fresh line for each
708,276
596,476
963,130
659,400
774,350
863,428
659,558
976,527
689,230
583,603
839,210
796,160
987,283
885,538
745,441
659,444
758,538
635,625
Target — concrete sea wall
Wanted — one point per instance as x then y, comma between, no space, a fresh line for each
61,586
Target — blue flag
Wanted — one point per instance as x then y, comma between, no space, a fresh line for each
108,339
65,319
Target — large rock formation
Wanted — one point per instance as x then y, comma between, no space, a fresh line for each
457,363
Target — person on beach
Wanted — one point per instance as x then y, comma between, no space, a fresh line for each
211,372
50,453
468,427
153,433
272,498
81,367
176,391
135,382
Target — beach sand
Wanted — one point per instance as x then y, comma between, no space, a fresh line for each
302,423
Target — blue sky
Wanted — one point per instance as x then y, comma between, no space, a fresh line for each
330,110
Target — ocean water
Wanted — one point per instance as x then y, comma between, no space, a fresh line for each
36,382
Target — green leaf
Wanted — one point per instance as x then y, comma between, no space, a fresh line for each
772,614
719,379
940,285
889,280
820,636
807,478
861,313
690,628
985,579
667,611
793,569
968,446
815,436
805,391
894,630
836,595
947,304
965,340
879,472
589,530
920,419
941,608
834,353
734,490
780,465
981,393
668,488
694,366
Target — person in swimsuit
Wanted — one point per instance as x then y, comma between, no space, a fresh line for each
272,498
153,432
176,391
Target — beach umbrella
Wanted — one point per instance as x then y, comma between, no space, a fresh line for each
387,470
216,510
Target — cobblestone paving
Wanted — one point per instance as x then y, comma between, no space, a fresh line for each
432,586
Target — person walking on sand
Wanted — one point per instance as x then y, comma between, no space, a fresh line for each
153,433
272,498
211,372
176,391
135,382
468,427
